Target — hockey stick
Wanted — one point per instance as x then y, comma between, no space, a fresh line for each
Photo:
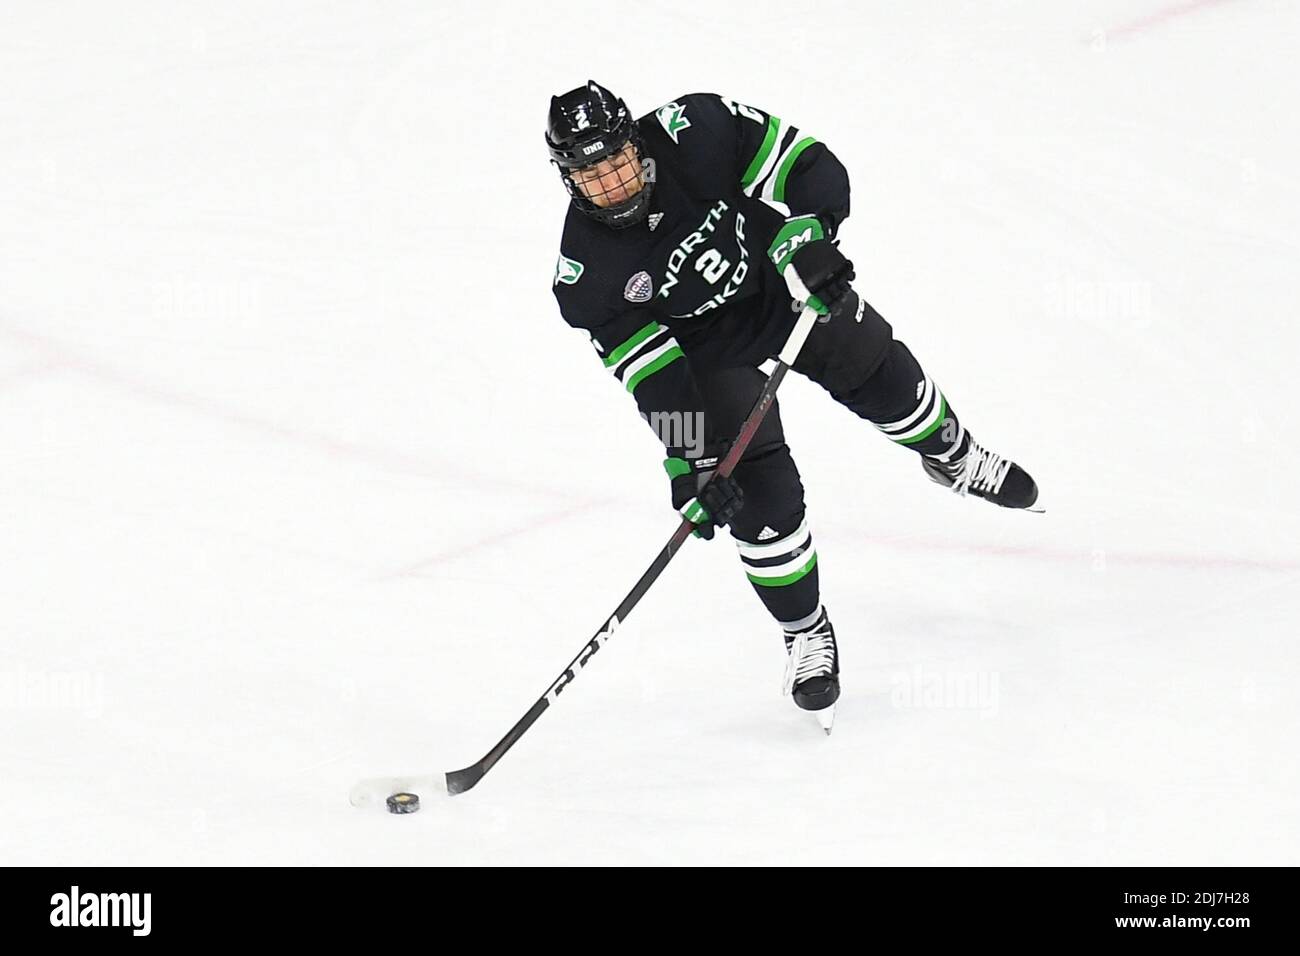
458,781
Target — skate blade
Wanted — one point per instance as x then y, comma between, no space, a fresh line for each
373,792
826,717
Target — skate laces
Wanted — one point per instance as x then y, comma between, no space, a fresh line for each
982,470
811,654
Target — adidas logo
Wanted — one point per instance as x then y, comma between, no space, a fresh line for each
920,387
654,220
767,534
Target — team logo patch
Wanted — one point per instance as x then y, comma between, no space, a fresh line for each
639,288
672,117
567,270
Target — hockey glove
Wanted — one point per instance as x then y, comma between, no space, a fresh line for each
707,499
814,268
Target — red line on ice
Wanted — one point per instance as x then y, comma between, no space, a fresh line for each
459,551
1217,562
1160,16
35,370
58,355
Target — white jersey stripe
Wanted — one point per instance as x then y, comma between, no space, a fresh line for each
645,358
769,187
931,417
781,570
916,413
769,164
775,549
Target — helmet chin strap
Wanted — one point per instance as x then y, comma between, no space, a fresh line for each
627,213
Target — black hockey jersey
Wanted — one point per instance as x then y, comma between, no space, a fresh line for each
693,272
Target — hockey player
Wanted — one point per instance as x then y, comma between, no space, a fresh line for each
679,228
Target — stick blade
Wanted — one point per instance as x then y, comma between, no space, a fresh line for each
458,781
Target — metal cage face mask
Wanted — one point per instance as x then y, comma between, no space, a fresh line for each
611,186
614,190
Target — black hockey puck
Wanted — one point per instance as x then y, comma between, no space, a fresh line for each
403,803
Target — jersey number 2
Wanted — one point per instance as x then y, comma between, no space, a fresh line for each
711,265
742,110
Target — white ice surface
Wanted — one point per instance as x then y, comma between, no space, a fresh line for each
303,479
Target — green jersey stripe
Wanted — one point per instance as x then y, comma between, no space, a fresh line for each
762,184
778,192
639,336
787,579
694,512
939,419
760,157
672,355
644,357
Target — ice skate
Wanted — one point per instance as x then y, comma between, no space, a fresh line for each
812,672
986,475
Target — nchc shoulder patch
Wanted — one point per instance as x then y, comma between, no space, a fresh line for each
639,288
567,270
672,117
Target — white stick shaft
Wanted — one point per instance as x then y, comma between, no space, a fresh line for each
807,319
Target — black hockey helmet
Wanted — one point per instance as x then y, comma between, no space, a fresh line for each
585,127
